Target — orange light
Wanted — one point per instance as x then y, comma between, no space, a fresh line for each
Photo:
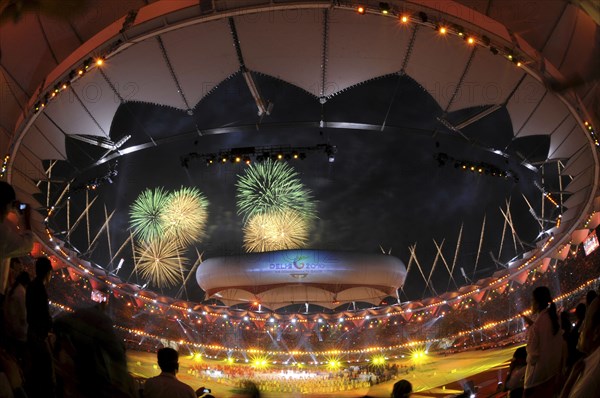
471,40
99,62
519,64
64,86
404,19
80,72
443,30
360,10
237,159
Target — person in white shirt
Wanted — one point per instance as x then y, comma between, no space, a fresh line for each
516,374
166,385
584,380
544,347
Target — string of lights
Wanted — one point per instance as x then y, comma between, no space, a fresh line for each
482,168
366,350
248,155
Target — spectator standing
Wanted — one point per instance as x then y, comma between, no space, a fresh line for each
166,385
15,314
40,377
544,347
584,380
15,241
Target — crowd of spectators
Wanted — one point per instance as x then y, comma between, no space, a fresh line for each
48,323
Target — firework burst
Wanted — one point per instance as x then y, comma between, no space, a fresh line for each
271,187
184,216
145,214
275,231
160,262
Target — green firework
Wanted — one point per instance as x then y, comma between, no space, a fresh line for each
145,214
272,187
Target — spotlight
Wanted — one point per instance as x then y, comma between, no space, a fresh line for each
223,159
99,62
279,156
80,72
471,40
404,19
330,150
295,155
384,7
442,30
361,10
238,159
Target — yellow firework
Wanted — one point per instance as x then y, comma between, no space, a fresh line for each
184,216
281,230
160,262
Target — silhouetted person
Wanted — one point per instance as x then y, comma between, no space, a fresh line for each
91,359
584,380
166,385
402,389
247,390
544,346
15,314
40,380
13,242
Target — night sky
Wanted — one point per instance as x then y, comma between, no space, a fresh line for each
384,188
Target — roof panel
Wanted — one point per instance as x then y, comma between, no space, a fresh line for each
293,57
373,45
546,117
27,67
489,80
68,103
437,62
45,140
98,97
564,141
141,74
583,180
571,214
11,100
576,199
524,101
29,166
202,56
579,163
